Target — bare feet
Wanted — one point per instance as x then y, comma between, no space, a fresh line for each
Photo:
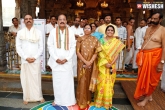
42,101
25,102
143,103
150,98
53,104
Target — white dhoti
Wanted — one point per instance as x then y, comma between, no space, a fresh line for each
63,85
74,64
129,55
31,81
119,62
163,79
134,65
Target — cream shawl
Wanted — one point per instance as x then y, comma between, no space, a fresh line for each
34,36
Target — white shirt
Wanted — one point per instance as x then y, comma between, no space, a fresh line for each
139,35
61,53
77,31
49,27
13,29
27,49
144,30
122,32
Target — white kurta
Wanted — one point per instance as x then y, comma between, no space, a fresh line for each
30,72
13,29
77,31
139,36
122,32
49,27
138,41
63,78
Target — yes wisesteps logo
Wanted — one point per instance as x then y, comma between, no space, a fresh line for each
150,5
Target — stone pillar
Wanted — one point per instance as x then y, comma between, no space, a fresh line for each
33,8
17,9
42,14
3,61
24,8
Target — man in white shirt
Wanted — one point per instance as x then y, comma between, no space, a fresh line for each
78,32
29,46
139,38
122,35
14,28
129,44
61,44
51,25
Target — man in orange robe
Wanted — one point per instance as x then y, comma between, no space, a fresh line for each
150,60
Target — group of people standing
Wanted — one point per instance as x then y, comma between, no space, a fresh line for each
74,51
90,53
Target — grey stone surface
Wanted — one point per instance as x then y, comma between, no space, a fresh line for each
123,107
118,91
16,103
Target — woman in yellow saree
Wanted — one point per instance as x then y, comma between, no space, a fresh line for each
107,68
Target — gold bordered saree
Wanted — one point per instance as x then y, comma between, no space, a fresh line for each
107,76
86,77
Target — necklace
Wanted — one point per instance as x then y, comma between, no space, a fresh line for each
152,32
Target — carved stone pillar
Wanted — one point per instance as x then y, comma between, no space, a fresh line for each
33,8
24,8
42,14
17,9
3,62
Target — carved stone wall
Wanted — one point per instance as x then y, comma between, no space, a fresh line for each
28,7
56,7
90,8
3,62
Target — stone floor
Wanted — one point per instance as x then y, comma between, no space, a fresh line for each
13,100
11,95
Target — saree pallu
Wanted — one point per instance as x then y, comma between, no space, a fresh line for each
106,77
148,77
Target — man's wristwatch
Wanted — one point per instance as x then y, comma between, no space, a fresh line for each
162,61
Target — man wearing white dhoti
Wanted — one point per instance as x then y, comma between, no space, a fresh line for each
122,34
139,36
129,43
78,32
29,46
61,44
